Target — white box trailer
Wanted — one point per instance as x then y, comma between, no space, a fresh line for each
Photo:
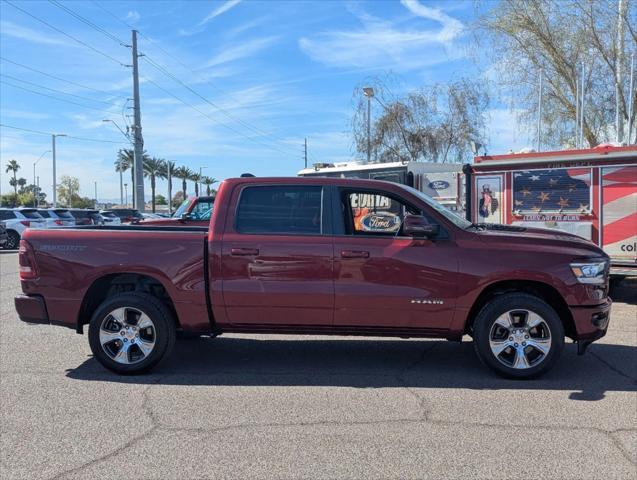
444,182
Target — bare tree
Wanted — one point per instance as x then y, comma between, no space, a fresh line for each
559,37
431,124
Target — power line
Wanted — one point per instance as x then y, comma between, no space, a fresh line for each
54,90
87,22
212,119
197,94
44,22
40,132
104,92
35,92
170,75
245,124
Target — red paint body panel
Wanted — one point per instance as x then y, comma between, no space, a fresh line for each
330,283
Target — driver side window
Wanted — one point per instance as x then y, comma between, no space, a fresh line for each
373,213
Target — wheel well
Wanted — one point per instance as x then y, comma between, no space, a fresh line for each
542,290
109,285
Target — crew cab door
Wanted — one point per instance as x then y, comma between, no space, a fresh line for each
383,279
277,257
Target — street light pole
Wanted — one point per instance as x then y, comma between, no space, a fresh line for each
126,193
53,135
36,192
369,93
199,180
96,195
121,177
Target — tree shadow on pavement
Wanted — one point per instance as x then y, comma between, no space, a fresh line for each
277,361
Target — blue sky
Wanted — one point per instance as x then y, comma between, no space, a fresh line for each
262,76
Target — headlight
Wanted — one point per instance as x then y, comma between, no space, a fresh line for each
590,272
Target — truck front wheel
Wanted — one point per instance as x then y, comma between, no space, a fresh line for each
131,332
518,335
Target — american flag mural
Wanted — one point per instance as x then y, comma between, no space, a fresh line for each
619,211
553,190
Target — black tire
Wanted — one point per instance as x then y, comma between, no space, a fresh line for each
163,331
13,240
485,326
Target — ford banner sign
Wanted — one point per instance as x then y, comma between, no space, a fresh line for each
438,185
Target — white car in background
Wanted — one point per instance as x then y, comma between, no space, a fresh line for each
110,218
57,217
17,220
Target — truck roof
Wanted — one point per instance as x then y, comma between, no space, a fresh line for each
354,182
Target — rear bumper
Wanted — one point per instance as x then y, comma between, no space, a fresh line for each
591,323
31,309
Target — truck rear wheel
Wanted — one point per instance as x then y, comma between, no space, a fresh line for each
518,335
130,333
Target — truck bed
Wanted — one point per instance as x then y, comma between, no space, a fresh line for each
174,256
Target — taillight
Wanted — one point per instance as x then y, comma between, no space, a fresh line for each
26,260
59,222
26,223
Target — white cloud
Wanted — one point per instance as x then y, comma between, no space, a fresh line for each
22,114
200,27
237,52
11,29
381,44
505,132
223,8
133,16
451,27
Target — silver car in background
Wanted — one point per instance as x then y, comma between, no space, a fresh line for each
57,217
110,218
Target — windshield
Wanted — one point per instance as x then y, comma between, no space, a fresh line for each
182,209
448,214
202,210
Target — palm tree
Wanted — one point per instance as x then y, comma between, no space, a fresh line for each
125,161
153,169
13,166
184,173
196,178
208,181
168,170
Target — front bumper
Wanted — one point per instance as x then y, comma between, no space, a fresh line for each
591,323
31,309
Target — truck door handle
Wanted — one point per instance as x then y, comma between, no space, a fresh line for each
354,254
244,251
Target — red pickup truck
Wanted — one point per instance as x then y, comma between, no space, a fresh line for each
319,256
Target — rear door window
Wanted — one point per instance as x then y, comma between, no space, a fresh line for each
64,214
283,210
32,214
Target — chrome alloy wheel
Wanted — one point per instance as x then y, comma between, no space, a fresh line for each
520,339
127,335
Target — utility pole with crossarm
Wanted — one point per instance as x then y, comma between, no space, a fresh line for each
138,140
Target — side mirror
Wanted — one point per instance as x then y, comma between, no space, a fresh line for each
417,226
185,216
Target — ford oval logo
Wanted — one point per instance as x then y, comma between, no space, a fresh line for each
439,185
380,222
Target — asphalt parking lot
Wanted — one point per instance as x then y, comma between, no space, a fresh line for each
312,407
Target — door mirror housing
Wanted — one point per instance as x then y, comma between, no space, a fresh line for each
417,226
185,217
